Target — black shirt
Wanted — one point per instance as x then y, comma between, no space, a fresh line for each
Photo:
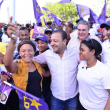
33,86
46,80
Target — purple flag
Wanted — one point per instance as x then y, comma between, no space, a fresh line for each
30,101
4,93
35,32
84,11
57,21
1,3
39,21
50,14
93,17
37,10
102,17
65,1
45,21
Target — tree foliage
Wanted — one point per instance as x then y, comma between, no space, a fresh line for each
64,11
67,11
108,7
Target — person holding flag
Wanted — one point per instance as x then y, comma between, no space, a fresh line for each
27,74
12,100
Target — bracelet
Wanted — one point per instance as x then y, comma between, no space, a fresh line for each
7,75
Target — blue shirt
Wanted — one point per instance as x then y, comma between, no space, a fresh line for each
1,36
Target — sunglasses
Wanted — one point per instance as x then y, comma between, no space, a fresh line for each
88,39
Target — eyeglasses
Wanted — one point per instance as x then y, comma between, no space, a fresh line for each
88,39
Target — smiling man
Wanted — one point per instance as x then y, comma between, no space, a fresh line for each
83,33
62,63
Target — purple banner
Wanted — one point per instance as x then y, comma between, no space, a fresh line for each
35,32
4,93
30,102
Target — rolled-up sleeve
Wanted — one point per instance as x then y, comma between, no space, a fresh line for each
41,59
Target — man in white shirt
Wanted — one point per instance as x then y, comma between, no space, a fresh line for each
82,34
62,63
106,45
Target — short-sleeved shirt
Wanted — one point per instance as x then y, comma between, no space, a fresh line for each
93,84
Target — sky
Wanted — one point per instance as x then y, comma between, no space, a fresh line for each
24,9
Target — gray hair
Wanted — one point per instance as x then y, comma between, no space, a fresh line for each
84,23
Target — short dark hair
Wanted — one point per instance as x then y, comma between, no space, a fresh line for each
93,44
27,25
63,34
70,25
24,28
26,42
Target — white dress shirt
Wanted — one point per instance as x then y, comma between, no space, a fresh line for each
105,58
63,71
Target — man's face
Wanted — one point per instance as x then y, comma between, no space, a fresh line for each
57,43
48,34
49,25
91,24
83,31
24,35
108,32
105,35
100,37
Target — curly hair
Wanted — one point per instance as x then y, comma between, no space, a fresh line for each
26,42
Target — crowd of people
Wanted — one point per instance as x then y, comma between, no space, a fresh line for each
68,66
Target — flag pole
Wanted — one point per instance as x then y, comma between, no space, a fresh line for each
20,90
13,14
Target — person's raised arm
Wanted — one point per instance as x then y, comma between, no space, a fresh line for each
67,30
8,58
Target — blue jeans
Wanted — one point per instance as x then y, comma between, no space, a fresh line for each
70,104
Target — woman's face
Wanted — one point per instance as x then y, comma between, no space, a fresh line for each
42,45
85,53
27,53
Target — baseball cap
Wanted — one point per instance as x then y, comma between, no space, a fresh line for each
79,19
106,24
99,34
48,30
0,26
3,47
42,37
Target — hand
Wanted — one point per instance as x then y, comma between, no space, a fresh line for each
12,29
3,78
64,23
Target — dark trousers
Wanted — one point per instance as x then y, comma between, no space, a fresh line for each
46,95
79,106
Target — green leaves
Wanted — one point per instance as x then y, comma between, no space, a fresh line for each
64,11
